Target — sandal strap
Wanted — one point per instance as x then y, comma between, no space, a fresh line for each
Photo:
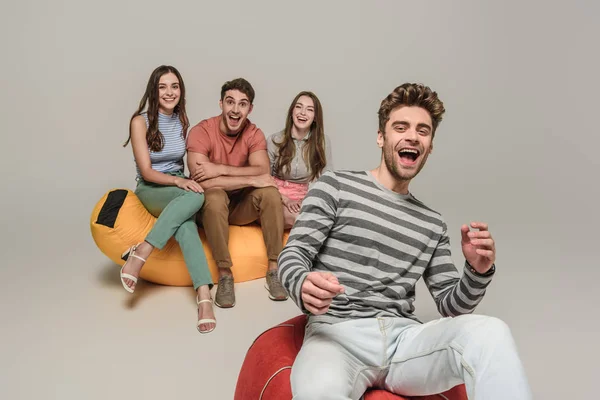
204,301
206,321
131,277
138,257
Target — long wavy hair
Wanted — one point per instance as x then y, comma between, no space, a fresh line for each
154,137
314,150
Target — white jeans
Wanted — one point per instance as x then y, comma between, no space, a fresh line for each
342,360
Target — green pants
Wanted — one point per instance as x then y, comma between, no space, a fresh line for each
176,210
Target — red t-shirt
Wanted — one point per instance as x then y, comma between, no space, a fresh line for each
206,138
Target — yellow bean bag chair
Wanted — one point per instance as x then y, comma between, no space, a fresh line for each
119,220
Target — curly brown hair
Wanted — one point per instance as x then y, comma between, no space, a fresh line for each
412,94
154,137
239,84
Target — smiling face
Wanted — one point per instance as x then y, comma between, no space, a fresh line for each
169,93
303,113
406,142
235,106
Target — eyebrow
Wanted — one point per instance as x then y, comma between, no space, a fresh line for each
404,123
422,125
300,103
230,97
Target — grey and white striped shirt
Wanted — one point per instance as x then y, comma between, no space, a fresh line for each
378,244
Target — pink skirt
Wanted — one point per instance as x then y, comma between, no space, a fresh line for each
293,191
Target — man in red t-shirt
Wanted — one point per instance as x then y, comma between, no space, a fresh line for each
227,155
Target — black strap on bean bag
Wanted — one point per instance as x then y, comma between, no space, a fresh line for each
111,207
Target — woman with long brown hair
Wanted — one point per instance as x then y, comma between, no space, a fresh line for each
300,153
157,136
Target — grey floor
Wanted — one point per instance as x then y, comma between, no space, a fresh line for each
71,332
80,335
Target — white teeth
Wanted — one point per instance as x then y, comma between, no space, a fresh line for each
409,151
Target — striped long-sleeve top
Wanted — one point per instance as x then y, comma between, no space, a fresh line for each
378,244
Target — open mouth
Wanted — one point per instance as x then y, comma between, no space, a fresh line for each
301,119
234,120
408,156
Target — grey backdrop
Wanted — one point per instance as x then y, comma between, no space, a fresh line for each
517,147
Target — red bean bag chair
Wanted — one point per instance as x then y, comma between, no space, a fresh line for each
265,373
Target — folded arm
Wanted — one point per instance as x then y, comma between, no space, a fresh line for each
227,177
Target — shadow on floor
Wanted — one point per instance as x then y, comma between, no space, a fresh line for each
108,276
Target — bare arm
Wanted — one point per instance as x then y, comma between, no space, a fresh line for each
228,183
216,176
202,169
142,157
259,165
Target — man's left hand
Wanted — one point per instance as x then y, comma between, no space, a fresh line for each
478,246
206,170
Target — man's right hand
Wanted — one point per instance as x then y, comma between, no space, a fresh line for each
262,181
318,290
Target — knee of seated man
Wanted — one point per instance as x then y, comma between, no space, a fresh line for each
269,196
215,200
489,329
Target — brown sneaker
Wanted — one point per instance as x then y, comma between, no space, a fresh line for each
276,290
225,297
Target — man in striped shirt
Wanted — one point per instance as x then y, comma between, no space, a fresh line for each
353,258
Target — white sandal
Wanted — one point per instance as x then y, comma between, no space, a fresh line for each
205,320
125,256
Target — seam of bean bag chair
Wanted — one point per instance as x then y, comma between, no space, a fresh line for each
270,378
270,329
439,394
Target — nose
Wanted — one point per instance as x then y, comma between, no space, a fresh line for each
236,108
411,135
